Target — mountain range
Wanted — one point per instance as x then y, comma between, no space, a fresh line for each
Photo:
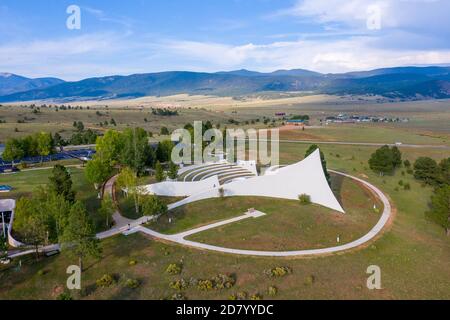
406,83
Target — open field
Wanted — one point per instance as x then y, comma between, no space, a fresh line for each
413,253
428,119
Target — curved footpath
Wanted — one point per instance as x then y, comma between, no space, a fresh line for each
180,238
126,226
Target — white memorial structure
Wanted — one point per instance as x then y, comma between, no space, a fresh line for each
305,177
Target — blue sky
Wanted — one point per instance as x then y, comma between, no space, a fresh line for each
136,36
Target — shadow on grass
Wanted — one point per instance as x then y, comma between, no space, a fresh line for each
336,185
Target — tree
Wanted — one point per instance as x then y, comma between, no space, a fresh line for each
107,210
61,183
164,151
396,157
407,164
152,205
127,180
173,171
164,131
13,150
159,174
427,170
79,235
136,150
440,207
35,233
382,161
444,168
49,208
97,171
79,125
45,144
109,147
313,148
58,140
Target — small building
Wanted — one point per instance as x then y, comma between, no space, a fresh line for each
297,122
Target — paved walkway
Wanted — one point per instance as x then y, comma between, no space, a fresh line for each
119,220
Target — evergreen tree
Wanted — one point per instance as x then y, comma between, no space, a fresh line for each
61,183
440,207
159,174
173,171
427,170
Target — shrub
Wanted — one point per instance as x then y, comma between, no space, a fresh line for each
309,280
400,183
407,186
41,272
178,296
173,269
132,263
223,281
64,296
105,281
179,285
205,285
256,296
278,272
132,284
304,199
272,291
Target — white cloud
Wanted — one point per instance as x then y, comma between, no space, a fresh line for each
352,54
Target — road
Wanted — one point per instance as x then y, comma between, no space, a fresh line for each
367,144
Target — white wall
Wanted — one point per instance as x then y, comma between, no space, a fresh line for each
181,189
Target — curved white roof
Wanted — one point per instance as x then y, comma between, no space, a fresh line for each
182,189
305,177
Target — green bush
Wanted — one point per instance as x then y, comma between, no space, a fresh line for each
178,296
407,186
205,285
64,296
256,296
132,284
304,199
278,272
223,281
132,263
309,280
105,281
174,269
179,284
272,291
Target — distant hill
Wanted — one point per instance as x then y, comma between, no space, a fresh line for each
11,83
401,83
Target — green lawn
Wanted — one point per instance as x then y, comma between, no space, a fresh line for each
291,226
25,182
